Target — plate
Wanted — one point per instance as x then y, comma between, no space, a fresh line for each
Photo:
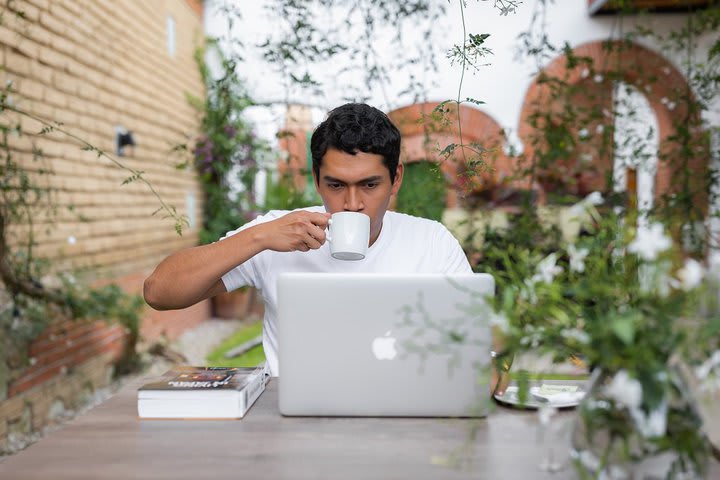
535,401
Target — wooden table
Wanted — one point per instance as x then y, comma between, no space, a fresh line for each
110,442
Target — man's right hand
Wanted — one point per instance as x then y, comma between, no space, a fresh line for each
297,231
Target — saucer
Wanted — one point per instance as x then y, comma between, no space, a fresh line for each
535,400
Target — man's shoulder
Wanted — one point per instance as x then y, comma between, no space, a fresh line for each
403,220
273,214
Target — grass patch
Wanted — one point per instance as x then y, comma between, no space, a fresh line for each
250,358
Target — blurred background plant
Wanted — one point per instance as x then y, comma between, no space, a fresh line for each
423,191
228,155
282,194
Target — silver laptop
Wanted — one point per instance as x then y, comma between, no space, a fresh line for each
384,344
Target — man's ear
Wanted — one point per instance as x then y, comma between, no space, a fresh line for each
398,178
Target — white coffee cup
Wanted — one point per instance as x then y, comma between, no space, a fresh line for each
349,235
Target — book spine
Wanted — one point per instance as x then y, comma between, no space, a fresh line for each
252,391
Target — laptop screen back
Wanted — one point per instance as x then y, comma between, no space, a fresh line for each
384,344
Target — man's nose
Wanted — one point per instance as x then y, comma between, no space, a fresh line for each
353,202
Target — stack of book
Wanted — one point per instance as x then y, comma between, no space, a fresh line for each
203,392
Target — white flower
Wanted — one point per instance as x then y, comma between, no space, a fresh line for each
545,414
691,274
649,242
598,78
664,100
577,258
72,240
671,105
576,334
499,320
589,460
595,199
704,370
583,133
532,336
656,278
547,269
587,203
614,472
625,390
600,129
585,73
654,424
528,293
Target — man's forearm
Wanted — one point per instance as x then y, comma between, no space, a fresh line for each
194,274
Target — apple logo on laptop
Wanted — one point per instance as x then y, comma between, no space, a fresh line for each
384,347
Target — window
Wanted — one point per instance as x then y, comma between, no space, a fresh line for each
170,30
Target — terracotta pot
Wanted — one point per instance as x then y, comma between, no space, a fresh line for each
235,305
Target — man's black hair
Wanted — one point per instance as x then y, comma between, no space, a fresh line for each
353,128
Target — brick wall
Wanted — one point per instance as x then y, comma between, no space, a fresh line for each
95,65
651,73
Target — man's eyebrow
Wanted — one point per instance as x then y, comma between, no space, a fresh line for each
374,178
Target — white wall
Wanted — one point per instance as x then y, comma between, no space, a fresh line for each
502,85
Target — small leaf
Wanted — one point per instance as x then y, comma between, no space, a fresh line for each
714,50
447,151
456,337
478,39
624,329
476,102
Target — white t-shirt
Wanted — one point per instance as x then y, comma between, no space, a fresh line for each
406,244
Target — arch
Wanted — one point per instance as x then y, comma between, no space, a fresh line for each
636,65
425,134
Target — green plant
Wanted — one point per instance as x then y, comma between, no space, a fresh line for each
227,153
625,301
282,194
423,191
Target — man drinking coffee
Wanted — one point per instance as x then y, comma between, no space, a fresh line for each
355,154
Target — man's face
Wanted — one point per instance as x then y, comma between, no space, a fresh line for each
357,183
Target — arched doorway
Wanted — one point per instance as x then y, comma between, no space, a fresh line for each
429,134
598,75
